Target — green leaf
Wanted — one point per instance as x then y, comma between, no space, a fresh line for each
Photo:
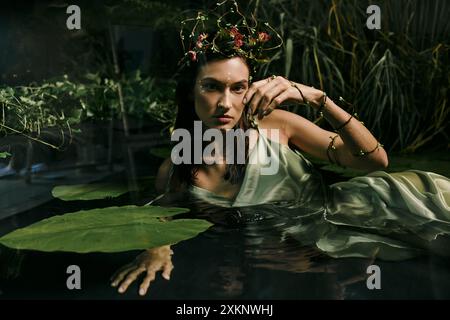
113,229
4,155
27,100
89,191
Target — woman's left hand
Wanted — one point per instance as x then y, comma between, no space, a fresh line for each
267,94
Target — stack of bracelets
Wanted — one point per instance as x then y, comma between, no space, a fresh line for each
331,146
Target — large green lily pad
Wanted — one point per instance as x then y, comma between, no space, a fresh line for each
89,191
95,191
112,229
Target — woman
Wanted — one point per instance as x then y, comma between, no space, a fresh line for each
386,209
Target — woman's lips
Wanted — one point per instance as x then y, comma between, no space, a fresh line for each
224,119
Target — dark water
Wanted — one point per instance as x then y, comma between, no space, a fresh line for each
238,258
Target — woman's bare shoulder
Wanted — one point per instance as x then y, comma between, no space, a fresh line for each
289,122
281,120
167,176
277,120
278,116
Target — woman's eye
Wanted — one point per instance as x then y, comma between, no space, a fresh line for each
239,89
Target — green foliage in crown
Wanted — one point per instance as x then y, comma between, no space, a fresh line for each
228,34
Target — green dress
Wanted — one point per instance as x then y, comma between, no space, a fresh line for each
392,216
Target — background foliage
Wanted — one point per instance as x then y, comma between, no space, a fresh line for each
396,78
62,103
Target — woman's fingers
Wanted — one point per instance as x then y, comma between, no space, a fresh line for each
265,104
251,90
120,274
278,100
130,278
151,275
266,95
146,282
168,267
259,95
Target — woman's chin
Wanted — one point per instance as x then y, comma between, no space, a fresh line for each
221,126
224,127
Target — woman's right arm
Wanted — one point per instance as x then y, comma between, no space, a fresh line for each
149,262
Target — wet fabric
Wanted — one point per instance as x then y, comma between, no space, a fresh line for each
392,216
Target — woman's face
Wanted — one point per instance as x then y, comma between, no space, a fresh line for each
219,89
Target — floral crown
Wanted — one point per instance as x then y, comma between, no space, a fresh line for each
232,36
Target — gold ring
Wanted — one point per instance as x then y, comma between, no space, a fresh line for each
273,77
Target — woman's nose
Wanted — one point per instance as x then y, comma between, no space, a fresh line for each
225,101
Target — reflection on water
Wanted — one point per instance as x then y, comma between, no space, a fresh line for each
261,252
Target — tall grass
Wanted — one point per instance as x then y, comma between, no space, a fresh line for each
397,77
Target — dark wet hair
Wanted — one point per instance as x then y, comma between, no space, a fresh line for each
186,115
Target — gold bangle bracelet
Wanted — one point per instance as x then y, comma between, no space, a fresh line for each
301,93
332,147
322,105
362,153
344,124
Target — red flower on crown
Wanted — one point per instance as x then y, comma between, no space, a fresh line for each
237,36
234,32
229,39
192,55
238,42
201,37
263,37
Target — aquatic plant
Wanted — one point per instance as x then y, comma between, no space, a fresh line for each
64,103
113,229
